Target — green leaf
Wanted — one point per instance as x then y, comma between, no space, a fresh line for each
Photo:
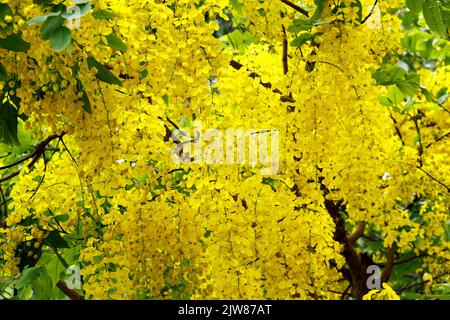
50,26
28,276
5,10
36,20
407,88
54,238
301,40
101,14
385,101
14,42
414,5
54,269
72,254
86,103
8,124
3,73
319,9
60,39
395,95
43,288
434,16
5,282
116,43
41,19
300,25
103,74
62,217
238,6
428,94
239,40
143,74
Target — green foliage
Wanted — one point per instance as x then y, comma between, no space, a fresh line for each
103,74
101,14
3,73
437,16
14,42
51,25
116,43
8,123
60,39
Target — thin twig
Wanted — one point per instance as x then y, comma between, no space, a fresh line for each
38,152
285,52
397,129
437,140
284,98
296,7
345,293
419,134
17,162
434,179
370,13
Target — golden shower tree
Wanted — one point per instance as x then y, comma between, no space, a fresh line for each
94,206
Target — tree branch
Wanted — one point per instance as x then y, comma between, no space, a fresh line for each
389,265
71,293
296,7
17,162
358,232
370,13
38,152
358,275
419,135
285,52
238,66
410,259
434,179
397,129
438,139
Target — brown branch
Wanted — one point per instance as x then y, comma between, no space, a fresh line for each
357,272
397,129
5,204
40,148
434,179
358,232
71,293
345,293
438,139
10,176
38,152
389,265
238,66
285,52
296,7
370,13
17,162
419,134
410,259
422,282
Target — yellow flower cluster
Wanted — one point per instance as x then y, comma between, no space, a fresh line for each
153,229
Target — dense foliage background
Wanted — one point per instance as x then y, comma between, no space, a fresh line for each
93,206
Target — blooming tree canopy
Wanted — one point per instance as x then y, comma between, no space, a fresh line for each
96,96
